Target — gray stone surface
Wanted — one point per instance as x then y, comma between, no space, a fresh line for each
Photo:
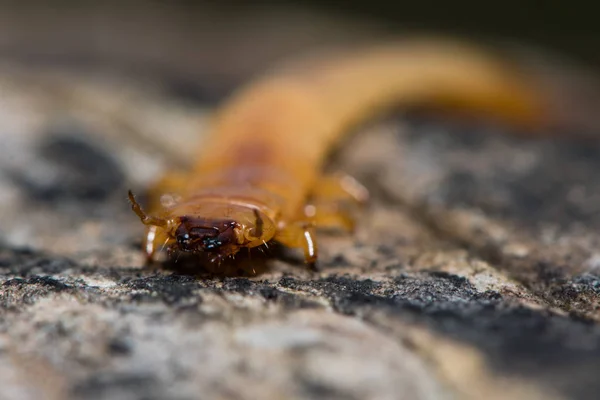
474,273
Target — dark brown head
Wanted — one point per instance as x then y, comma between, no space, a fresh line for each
204,235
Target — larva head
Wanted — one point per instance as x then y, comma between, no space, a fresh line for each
194,234
218,228
240,227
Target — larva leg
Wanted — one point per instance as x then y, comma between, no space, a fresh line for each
334,202
330,216
153,242
150,243
300,235
340,187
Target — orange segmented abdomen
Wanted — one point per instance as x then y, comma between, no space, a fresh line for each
289,120
267,145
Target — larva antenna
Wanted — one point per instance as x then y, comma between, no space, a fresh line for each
145,218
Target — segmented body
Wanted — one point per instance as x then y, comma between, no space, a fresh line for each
267,146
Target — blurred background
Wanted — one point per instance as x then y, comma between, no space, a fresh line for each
205,47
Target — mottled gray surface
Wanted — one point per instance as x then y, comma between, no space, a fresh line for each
474,273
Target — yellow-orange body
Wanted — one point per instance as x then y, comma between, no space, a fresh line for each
267,145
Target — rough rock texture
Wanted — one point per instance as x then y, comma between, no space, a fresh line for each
474,273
